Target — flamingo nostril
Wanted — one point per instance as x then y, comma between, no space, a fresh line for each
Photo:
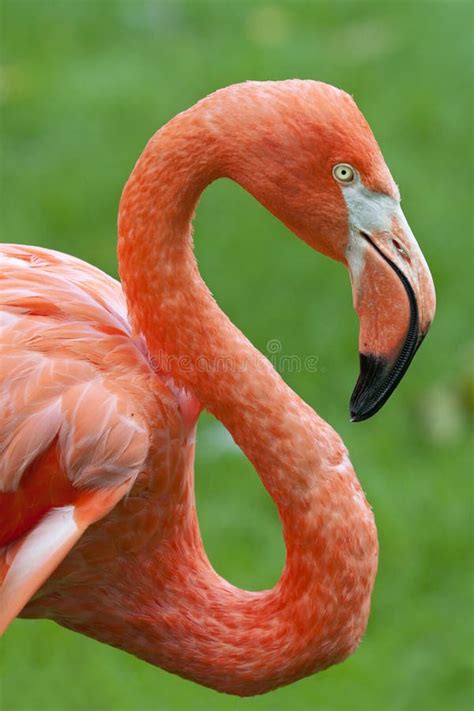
401,250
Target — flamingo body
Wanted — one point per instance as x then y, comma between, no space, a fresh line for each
84,413
101,390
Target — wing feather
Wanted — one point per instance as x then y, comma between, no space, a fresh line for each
28,439
75,408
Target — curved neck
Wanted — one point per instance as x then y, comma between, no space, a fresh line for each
317,613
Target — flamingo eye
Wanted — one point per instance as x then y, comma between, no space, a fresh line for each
343,173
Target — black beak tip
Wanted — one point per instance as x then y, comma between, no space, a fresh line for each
362,414
368,396
358,416
377,380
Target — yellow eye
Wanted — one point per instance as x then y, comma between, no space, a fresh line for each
343,173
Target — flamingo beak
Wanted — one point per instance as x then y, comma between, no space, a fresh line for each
394,298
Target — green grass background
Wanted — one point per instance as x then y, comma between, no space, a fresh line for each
83,86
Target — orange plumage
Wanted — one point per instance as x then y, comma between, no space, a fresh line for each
101,391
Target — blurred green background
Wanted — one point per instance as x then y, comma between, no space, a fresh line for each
83,86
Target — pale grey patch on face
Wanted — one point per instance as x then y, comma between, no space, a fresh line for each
368,212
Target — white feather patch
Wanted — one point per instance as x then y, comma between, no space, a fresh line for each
38,556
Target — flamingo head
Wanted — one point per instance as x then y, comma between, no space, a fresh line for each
310,157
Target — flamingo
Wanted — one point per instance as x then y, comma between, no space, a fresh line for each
103,384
